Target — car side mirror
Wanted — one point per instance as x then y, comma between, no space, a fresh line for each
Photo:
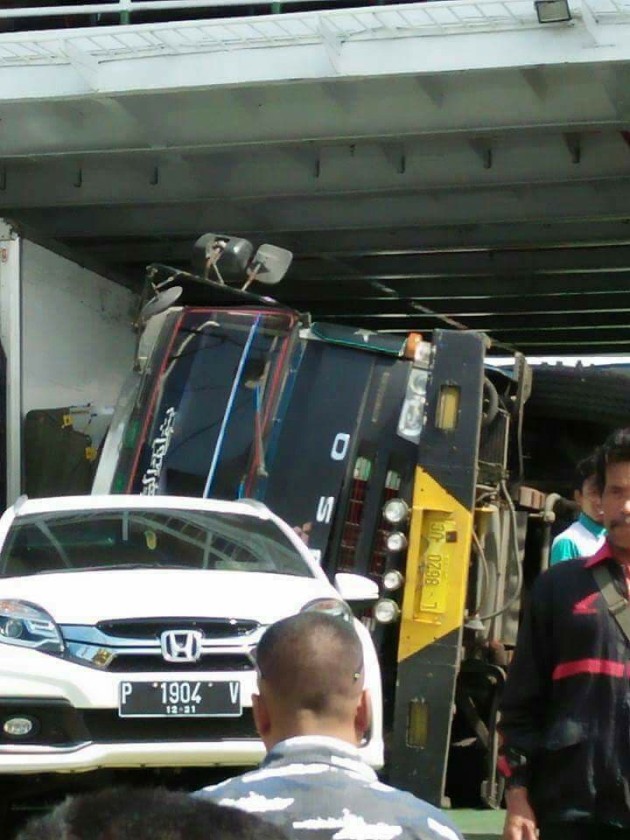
353,587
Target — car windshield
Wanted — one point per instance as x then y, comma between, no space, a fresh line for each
110,539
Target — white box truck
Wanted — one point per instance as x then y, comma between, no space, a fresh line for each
67,343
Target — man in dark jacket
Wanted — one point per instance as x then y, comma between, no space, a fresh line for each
311,713
566,705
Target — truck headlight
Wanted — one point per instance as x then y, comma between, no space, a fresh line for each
386,611
331,606
396,511
28,625
396,541
411,420
392,580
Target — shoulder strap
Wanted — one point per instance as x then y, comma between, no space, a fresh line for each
618,605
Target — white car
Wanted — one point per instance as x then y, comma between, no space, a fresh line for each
129,624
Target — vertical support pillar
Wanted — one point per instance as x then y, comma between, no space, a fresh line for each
11,338
124,16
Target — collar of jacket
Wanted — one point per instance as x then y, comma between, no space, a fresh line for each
604,553
594,528
320,749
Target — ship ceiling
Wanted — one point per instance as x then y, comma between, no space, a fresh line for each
452,190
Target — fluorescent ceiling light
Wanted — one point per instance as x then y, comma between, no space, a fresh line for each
552,11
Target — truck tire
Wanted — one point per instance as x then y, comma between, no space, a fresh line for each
587,394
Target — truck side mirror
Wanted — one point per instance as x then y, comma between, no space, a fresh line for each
228,257
269,265
160,303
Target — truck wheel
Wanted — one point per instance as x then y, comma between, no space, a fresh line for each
490,402
589,394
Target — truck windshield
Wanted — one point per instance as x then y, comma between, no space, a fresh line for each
110,539
205,409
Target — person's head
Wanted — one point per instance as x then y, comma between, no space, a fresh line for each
128,813
586,490
310,680
613,480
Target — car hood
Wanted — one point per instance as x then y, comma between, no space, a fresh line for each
91,596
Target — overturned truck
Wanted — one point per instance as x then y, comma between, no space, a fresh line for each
394,457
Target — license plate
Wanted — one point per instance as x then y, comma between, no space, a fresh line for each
180,698
433,598
434,570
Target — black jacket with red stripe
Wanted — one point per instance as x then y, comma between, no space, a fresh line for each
565,711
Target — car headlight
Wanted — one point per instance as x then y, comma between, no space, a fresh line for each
331,606
28,625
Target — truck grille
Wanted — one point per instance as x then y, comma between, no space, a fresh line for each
378,561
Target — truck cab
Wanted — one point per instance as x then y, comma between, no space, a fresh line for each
393,457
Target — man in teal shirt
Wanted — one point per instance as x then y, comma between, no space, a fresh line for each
585,536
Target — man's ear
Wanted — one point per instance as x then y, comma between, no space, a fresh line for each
363,715
261,715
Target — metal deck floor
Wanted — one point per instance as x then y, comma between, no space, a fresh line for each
478,824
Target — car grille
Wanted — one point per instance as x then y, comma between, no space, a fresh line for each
134,645
143,662
142,628
106,726
61,725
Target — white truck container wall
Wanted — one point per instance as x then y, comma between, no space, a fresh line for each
67,337
77,341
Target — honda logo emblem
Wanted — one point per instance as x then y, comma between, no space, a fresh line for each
181,645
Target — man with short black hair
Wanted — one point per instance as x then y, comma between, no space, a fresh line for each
126,813
312,712
565,716
586,535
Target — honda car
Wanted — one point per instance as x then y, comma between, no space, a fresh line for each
129,625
